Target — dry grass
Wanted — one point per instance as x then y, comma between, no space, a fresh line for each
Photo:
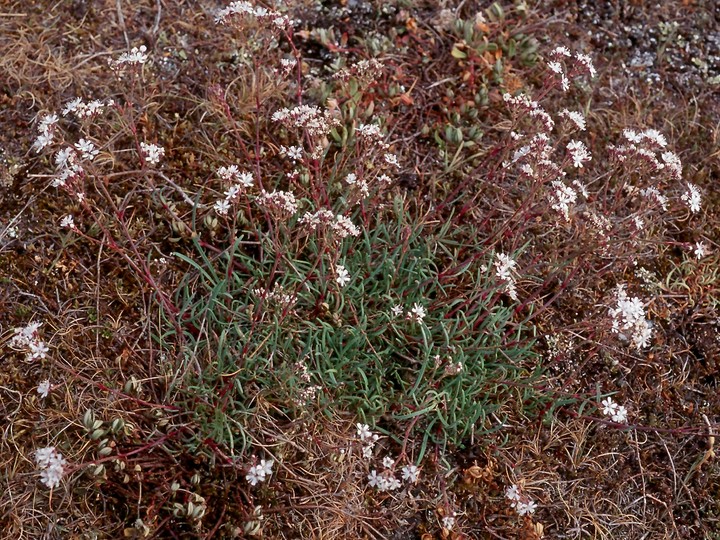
658,478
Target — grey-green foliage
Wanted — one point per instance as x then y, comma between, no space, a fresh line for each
389,370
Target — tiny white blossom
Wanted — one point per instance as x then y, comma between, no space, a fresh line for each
692,198
620,415
579,153
342,275
152,153
87,149
68,222
222,206
38,350
609,407
512,492
699,250
396,310
448,522
417,313
410,473
524,508
363,431
44,388
388,462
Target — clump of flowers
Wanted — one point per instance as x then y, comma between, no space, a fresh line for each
368,439
692,198
521,502
260,472
136,57
617,412
281,202
629,315
341,225
417,313
505,272
152,153
236,11
46,128
27,339
44,388
52,465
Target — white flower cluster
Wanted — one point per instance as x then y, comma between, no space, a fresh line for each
152,153
68,167
579,153
368,438
522,503
643,147
282,202
618,413
27,339
241,181
68,222
87,149
416,314
630,315
562,198
523,104
692,198
292,152
700,251
83,110
505,271
278,295
576,118
136,57
317,123
386,480
260,472
583,65
341,225
52,464
46,129
239,9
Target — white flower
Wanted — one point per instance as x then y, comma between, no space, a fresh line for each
87,149
579,153
410,473
254,476
692,198
374,478
512,492
396,310
448,522
44,388
292,152
53,465
367,450
700,250
136,56
68,222
620,415
38,349
575,117
222,206
342,275
363,431
266,466
43,140
258,473
388,462
609,407
524,508
391,159
152,153
417,313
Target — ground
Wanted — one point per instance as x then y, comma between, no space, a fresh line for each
176,364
